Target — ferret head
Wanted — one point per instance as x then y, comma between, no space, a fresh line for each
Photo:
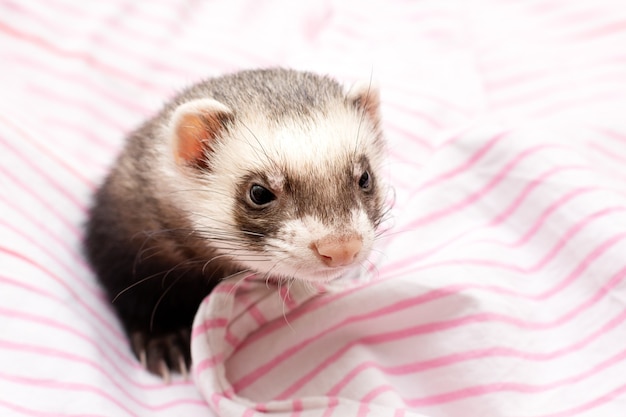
281,171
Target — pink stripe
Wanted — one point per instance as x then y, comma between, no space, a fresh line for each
400,106
408,135
77,360
216,398
613,156
77,260
400,264
543,94
590,405
267,330
261,407
251,377
231,339
472,160
257,315
85,388
209,324
168,26
569,279
67,386
78,299
455,358
25,135
120,352
125,54
37,413
40,21
115,97
569,235
428,297
381,389
45,176
481,390
208,363
36,196
248,412
612,134
537,182
297,406
575,17
100,116
603,29
363,410
516,79
550,210
229,287
332,405
477,195
86,58
251,307
423,116
411,332
400,413
612,94
415,257
286,297
549,256
108,146
498,83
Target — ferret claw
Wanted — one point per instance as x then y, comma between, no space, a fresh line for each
182,366
143,359
164,371
163,354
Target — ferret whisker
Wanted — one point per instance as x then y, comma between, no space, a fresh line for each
388,234
136,283
373,267
288,283
177,216
156,305
201,190
212,219
310,286
243,271
177,266
139,257
206,264
382,234
267,156
239,282
357,144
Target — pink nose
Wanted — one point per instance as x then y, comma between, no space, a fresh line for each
338,251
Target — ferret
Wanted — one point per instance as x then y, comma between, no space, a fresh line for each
272,171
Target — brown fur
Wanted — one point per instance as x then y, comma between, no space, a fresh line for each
155,266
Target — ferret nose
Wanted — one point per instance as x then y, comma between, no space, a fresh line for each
336,252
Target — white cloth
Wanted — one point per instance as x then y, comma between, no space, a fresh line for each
499,291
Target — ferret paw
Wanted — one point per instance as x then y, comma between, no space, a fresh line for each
164,353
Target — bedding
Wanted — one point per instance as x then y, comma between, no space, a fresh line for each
497,289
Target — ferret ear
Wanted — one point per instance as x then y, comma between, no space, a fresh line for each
365,95
194,126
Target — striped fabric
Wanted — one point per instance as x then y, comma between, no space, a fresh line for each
499,291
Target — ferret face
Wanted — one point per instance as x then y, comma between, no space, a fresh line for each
298,197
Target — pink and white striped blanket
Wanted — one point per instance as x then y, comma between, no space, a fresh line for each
499,291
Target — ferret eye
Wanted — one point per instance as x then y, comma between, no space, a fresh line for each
365,182
260,195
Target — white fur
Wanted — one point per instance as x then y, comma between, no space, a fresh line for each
297,259
293,146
